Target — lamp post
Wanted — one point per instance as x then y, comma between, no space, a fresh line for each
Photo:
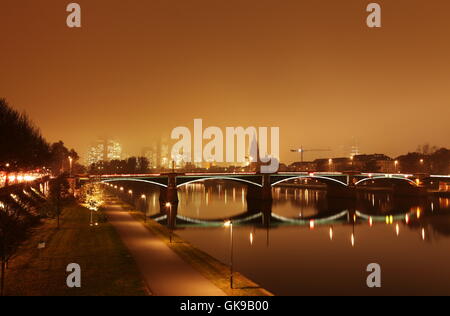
230,224
169,221
70,163
144,206
130,192
7,175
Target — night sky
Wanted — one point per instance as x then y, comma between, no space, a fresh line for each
137,69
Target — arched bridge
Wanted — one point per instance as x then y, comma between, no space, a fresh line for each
260,185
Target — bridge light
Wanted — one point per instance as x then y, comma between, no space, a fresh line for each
226,224
311,224
407,218
143,197
130,192
370,221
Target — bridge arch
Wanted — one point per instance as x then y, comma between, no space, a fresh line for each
325,180
134,180
219,178
387,177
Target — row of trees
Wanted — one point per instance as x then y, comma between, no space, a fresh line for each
133,165
436,161
24,148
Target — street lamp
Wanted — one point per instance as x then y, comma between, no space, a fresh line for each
169,221
330,163
7,175
70,163
396,165
230,224
144,206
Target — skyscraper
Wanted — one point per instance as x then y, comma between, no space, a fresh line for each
104,150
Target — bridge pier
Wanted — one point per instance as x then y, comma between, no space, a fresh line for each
168,200
263,193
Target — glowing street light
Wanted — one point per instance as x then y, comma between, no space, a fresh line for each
396,163
230,225
70,163
169,221
144,208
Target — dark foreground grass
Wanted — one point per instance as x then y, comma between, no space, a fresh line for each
106,267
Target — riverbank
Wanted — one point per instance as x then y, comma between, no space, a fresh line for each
106,267
215,271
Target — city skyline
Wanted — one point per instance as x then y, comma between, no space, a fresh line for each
313,69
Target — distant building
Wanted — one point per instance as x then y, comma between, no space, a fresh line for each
104,150
158,154
307,166
374,163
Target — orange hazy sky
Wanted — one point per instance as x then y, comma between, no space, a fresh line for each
137,69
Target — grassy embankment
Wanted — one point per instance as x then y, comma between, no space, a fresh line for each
214,270
106,266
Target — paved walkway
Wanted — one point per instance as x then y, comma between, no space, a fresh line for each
164,272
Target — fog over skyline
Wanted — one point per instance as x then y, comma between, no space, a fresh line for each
136,70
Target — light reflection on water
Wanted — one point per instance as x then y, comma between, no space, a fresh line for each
409,238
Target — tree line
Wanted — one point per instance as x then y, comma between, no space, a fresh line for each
23,148
133,165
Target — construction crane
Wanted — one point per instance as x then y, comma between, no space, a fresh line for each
302,151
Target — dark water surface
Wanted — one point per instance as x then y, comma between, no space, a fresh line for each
408,237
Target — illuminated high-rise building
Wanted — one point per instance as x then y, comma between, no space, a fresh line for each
104,150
